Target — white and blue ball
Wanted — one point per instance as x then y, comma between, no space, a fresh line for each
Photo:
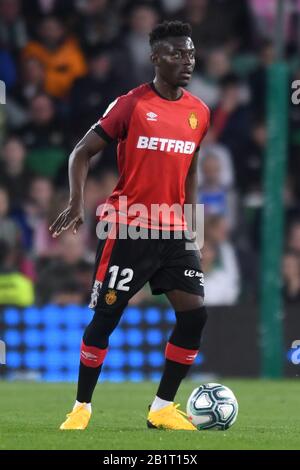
212,406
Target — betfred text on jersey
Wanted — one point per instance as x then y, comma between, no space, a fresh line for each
166,145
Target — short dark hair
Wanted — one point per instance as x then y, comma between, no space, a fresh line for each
169,29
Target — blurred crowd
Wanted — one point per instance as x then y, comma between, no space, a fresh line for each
63,62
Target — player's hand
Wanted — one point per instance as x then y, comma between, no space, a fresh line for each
72,217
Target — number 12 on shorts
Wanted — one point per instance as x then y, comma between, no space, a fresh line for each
126,276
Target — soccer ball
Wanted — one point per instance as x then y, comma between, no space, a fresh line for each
212,406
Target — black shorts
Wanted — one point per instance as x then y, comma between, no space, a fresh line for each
124,266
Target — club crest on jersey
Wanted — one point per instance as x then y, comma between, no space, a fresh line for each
193,121
111,297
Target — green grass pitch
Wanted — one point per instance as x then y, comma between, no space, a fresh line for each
32,412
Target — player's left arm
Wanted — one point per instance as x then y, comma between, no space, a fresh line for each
191,182
191,190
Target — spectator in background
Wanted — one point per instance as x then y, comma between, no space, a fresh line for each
8,69
210,145
11,234
172,6
29,84
71,250
251,166
32,81
40,194
135,48
15,288
84,277
56,276
250,170
97,23
91,94
34,210
60,55
63,271
206,84
97,190
13,33
291,277
35,10
8,229
291,263
220,266
68,293
13,173
221,286
293,239
217,199
45,138
44,246
94,194
264,13
258,78
217,23
231,120
107,182
56,283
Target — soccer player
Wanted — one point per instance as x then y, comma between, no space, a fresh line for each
159,127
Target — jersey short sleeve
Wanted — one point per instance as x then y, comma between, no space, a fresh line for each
114,123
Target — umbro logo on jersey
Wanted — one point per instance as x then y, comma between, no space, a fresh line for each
151,116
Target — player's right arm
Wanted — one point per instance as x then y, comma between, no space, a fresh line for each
112,126
73,215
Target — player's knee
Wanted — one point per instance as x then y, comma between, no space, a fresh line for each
92,356
192,320
189,327
101,327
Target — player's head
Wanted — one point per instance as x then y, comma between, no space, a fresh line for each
173,52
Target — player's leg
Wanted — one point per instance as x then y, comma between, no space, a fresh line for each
181,279
181,351
94,347
184,342
122,269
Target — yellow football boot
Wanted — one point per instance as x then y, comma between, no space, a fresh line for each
77,419
169,417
